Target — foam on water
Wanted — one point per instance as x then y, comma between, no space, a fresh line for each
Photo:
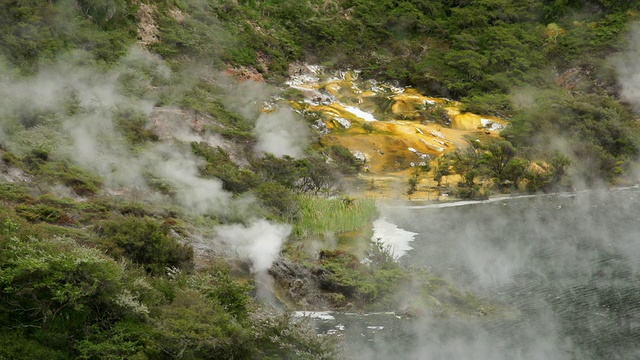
391,235
320,315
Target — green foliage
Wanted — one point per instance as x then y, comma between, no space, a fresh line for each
62,300
15,345
466,163
14,192
81,181
366,283
54,283
435,113
34,31
598,131
189,29
41,212
146,242
317,176
104,13
135,127
39,164
193,327
285,170
207,99
59,300
279,199
219,286
295,339
491,104
497,159
442,168
412,184
126,339
320,216
219,165
348,164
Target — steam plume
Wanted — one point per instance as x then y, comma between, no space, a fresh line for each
281,133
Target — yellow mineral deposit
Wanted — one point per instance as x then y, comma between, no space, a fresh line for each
388,126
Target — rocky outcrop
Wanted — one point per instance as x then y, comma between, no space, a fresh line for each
308,288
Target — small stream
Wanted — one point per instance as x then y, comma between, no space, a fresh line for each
567,268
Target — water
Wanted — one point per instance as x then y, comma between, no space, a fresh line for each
566,266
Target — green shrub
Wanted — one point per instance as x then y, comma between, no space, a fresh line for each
39,164
279,199
54,281
347,163
135,127
80,180
126,339
193,327
41,212
146,242
219,165
14,192
16,345
218,285
366,283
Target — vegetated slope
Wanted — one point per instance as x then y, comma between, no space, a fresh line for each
122,143
515,59
507,58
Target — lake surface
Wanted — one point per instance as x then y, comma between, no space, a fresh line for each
567,266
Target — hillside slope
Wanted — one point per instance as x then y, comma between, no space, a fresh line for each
161,182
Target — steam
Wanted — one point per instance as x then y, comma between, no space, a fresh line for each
280,133
564,267
628,69
196,194
70,108
246,98
628,76
260,242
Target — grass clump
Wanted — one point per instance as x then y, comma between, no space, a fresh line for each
320,215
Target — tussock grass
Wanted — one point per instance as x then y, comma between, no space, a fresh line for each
321,215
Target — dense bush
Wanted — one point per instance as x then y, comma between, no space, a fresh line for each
59,300
145,241
280,199
599,133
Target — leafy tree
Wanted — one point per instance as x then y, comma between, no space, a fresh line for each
317,176
497,157
466,163
285,170
441,169
412,184
515,171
